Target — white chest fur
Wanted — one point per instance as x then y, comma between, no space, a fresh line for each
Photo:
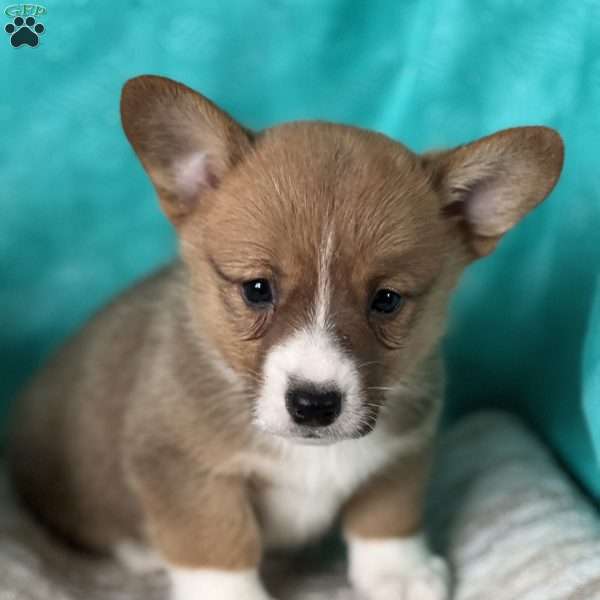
303,487
308,484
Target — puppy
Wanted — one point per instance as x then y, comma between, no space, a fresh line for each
286,369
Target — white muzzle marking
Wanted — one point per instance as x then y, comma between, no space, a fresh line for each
311,356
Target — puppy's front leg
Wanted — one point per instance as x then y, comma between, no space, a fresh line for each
388,556
216,584
206,532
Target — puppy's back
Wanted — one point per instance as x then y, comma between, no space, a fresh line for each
65,441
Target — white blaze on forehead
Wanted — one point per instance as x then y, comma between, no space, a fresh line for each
323,298
311,356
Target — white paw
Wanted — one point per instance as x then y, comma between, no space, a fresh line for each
210,584
397,569
137,558
429,582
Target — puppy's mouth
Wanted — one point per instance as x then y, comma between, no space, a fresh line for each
311,438
346,428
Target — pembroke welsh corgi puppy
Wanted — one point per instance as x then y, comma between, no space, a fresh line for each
286,369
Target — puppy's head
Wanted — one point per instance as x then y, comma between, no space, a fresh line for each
321,257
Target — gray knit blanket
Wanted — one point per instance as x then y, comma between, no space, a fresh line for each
511,523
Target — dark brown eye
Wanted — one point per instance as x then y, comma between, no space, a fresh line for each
257,293
386,302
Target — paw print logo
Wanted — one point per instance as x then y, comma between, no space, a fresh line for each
24,31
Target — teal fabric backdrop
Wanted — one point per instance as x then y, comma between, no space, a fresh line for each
79,221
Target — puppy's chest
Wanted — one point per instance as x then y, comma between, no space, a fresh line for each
304,487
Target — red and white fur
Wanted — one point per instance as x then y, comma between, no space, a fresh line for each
285,370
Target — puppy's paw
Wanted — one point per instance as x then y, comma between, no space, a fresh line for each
430,582
207,584
398,569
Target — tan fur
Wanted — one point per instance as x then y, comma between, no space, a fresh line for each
514,164
141,426
391,504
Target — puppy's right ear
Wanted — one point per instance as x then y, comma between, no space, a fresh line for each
185,143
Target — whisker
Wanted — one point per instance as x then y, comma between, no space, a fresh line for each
368,363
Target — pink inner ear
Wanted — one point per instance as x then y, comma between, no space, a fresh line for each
482,209
193,173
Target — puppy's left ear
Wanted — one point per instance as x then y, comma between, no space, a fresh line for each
491,184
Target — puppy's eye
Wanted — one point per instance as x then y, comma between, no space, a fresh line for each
386,302
257,292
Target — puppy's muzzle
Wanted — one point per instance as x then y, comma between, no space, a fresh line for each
312,407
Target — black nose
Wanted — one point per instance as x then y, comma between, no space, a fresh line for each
313,407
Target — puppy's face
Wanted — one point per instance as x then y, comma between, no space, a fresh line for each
322,266
321,257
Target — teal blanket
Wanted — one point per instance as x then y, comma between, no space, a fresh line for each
79,222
